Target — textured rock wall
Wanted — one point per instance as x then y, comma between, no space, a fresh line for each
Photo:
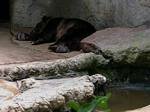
28,12
98,12
25,12
131,12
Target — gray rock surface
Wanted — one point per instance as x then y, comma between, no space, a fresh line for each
130,12
25,12
98,12
51,68
48,95
121,45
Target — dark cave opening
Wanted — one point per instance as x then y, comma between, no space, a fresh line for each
4,11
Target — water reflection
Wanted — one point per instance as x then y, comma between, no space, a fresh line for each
127,99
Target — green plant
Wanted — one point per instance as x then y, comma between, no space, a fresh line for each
100,102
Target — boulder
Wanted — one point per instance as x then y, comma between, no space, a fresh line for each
47,95
124,46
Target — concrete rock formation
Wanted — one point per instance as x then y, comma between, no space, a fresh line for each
124,46
49,95
99,12
51,68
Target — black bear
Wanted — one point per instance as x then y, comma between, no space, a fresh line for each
65,33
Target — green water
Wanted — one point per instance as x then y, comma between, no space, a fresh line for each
128,99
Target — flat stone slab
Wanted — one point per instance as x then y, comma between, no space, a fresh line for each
121,45
43,95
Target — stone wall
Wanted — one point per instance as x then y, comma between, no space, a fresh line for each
25,13
131,12
98,12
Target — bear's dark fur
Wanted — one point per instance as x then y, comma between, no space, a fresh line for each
65,33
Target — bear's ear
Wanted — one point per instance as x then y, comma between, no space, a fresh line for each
45,18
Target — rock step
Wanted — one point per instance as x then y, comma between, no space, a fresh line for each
46,95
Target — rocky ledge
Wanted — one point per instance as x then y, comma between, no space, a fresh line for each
123,46
128,52
30,95
52,69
